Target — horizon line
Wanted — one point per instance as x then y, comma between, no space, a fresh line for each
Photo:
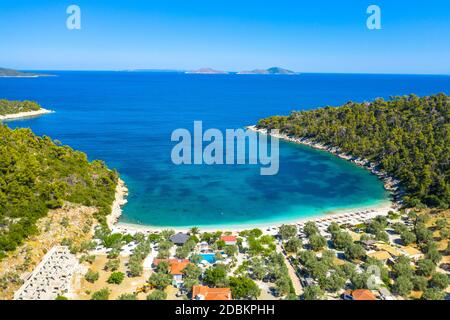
168,70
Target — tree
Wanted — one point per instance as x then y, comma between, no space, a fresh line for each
163,267
255,232
196,258
403,267
102,294
341,240
112,265
371,264
403,285
258,269
135,268
360,280
192,271
166,234
420,283
433,294
434,255
113,254
425,267
127,296
355,252
116,278
88,258
188,283
220,244
216,276
439,281
195,230
244,288
348,269
283,285
288,231
328,258
335,282
382,236
423,235
182,252
231,250
333,228
313,293
293,245
165,245
440,223
318,269
317,242
407,237
310,228
445,233
91,276
157,295
113,240
160,280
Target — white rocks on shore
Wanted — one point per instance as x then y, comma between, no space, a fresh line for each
119,202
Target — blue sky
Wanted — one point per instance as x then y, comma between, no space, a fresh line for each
306,36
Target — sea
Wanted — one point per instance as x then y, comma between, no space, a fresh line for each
126,119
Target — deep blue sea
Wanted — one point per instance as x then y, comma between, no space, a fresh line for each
126,119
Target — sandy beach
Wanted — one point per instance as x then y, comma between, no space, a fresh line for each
342,215
22,115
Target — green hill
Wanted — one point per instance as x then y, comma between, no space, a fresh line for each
37,174
408,136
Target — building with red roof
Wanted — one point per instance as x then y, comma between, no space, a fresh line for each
229,240
176,267
205,293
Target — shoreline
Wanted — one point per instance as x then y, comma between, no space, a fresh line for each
27,114
120,200
372,211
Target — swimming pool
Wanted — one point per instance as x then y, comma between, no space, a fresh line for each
210,257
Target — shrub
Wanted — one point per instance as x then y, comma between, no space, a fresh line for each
116,278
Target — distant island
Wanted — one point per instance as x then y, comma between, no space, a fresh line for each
154,70
206,71
273,70
20,109
20,74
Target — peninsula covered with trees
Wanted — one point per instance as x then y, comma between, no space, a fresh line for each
12,107
408,137
20,109
37,174
10,73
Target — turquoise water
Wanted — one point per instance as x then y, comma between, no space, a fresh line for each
210,257
127,118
